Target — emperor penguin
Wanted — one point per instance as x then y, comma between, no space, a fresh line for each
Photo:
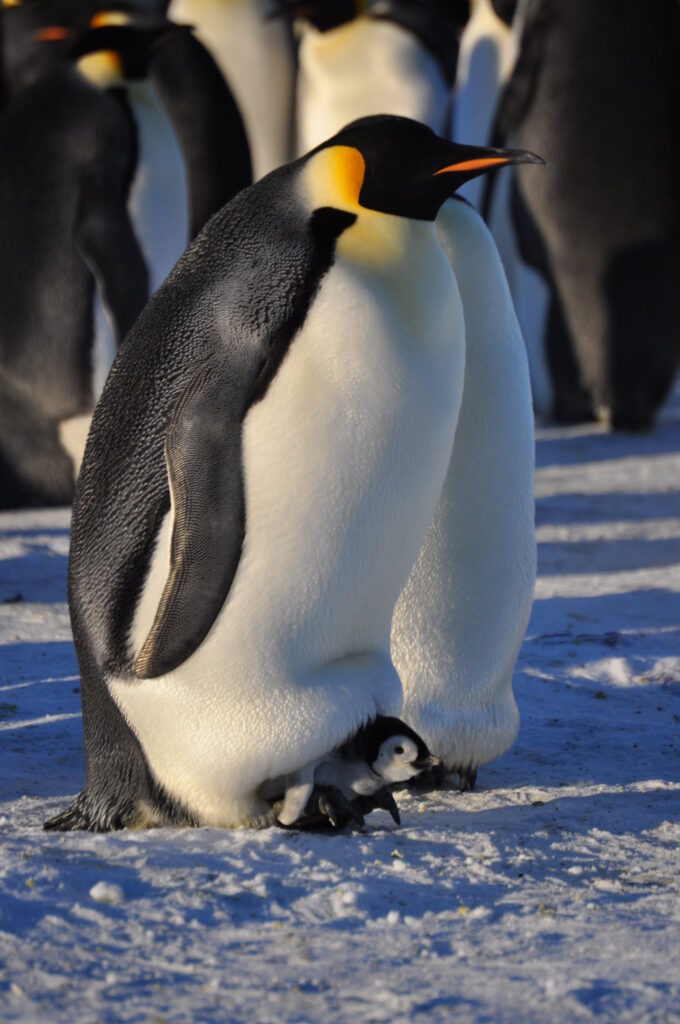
262,469
597,87
193,150
255,54
68,157
394,57
460,620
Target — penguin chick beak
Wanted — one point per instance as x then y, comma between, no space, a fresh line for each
423,763
482,160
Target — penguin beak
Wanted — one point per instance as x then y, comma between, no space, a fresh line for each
474,161
52,34
426,762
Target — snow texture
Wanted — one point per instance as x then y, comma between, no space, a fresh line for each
551,893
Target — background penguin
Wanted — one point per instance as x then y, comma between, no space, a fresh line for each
68,157
461,618
396,58
255,54
302,371
193,151
596,89
383,753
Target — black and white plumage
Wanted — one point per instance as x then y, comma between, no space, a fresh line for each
261,472
597,89
383,753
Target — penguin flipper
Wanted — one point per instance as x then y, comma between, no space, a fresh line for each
203,457
109,247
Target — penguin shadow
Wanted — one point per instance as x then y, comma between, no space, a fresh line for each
591,442
575,557
38,575
611,506
40,720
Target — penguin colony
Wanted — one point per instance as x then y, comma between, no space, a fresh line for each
305,506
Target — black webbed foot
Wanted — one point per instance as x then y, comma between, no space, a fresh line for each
467,778
328,809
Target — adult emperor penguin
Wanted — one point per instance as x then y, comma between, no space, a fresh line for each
597,88
395,57
461,618
68,155
262,469
255,54
193,151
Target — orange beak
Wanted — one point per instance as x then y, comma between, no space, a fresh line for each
52,34
475,165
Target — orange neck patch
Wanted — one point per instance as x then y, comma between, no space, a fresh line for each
336,176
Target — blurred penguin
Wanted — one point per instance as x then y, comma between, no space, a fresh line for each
596,90
390,56
69,154
255,54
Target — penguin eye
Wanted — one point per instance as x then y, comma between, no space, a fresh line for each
398,750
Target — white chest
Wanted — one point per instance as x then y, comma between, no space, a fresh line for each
158,197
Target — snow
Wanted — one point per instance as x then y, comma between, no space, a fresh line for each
551,893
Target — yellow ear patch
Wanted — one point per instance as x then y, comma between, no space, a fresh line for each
11,3
103,19
335,176
104,68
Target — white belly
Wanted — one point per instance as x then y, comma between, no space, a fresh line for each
255,55
365,67
344,460
158,198
460,621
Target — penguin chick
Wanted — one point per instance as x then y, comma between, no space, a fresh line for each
384,752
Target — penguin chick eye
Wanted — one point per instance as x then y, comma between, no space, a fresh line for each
398,750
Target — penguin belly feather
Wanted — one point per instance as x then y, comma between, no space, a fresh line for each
460,620
365,67
343,463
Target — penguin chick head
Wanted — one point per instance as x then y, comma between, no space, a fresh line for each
398,166
394,751
119,44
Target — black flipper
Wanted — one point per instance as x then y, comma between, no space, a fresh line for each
108,245
203,456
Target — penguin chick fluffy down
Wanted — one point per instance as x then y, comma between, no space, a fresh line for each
383,752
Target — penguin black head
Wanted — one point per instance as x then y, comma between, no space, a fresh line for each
35,36
398,166
119,43
323,14
393,750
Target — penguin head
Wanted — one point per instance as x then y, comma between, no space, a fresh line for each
35,36
119,44
394,751
324,15
397,166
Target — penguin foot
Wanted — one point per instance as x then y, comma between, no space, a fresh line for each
467,777
327,810
380,801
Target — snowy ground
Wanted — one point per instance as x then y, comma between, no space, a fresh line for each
552,893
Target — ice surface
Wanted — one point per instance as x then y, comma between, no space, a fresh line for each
551,893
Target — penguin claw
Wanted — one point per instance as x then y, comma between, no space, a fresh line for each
338,809
467,778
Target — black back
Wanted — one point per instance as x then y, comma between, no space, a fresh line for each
68,156
596,91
